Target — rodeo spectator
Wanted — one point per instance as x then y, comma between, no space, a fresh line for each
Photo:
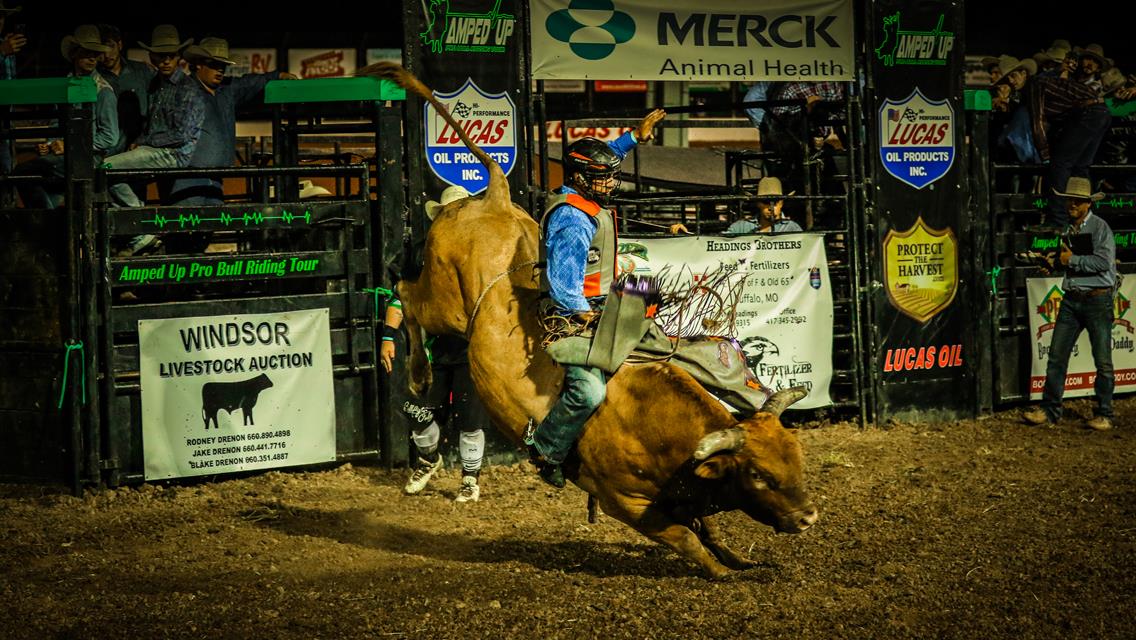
83,49
1069,120
222,96
783,126
1089,286
10,44
1050,60
770,199
129,78
1010,86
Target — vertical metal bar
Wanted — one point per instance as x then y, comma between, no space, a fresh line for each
542,120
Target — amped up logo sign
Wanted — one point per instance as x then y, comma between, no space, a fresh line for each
448,30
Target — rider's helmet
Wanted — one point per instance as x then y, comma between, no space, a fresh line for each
593,168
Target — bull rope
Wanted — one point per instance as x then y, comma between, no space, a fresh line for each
480,298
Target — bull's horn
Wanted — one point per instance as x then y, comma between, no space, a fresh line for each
730,439
781,400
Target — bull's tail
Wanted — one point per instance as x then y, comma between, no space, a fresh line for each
498,191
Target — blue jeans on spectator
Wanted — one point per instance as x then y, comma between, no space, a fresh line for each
1072,151
1094,314
137,158
584,390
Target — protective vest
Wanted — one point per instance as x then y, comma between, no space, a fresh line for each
599,270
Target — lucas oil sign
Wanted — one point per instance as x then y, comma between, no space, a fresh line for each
917,139
488,120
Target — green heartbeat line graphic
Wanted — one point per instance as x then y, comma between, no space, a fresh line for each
1112,203
247,218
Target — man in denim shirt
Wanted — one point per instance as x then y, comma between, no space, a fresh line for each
129,78
217,145
579,240
1090,286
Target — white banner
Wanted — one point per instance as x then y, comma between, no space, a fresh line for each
1044,296
236,393
784,317
704,40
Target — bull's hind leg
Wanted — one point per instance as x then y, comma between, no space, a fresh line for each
708,532
661,528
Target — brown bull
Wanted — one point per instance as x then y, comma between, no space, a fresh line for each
660,454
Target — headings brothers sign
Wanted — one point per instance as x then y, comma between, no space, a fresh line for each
687,40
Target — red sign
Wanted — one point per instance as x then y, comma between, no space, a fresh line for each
948,355
325,65
621,86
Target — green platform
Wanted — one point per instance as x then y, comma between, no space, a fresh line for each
332,90
48,91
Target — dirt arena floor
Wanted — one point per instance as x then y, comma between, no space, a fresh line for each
973,529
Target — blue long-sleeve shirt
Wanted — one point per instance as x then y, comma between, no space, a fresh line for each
217,144
1096,270
568,236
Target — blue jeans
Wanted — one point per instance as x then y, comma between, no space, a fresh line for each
137,158
584,390
1096,315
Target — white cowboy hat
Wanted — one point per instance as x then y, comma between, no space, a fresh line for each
86,36
310,190
770,186
216,49
450,194
164,39
1079,189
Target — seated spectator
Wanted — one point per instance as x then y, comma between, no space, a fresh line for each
770,200
129,78
83,49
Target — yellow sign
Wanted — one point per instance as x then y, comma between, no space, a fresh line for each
921,270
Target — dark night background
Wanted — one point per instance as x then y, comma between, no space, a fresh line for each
1019,29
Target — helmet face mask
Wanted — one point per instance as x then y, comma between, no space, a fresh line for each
593,168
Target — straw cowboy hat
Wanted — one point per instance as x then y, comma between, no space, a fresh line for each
1079,189
7,11
310,190
164,39
768,187
450,194
87,37
1055,53
1009,64
1112,80
215,49
1096,52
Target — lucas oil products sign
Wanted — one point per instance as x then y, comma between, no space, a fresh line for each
236,393
917,138
490,122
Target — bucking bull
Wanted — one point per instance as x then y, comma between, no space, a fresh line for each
660,454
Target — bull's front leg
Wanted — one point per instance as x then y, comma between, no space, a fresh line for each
660,527
708,532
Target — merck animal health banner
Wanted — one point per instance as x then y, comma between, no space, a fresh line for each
1045,296
780,284
236,393
683,40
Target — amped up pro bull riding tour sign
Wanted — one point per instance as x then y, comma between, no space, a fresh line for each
236,393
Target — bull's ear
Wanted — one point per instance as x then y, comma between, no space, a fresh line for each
715,468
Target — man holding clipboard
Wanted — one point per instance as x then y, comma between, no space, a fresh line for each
1088,255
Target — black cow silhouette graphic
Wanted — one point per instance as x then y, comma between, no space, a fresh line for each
216,396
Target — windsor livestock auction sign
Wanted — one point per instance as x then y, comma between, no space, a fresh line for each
236,393
682,40
784,312
1044,296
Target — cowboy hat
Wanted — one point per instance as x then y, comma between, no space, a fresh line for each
8,10
1055,53
86,36
216,49
1079,189
1009,64
1096,52
450,194
164,39
770,186
310,190
1113,79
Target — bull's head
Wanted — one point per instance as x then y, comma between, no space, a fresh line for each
760,463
